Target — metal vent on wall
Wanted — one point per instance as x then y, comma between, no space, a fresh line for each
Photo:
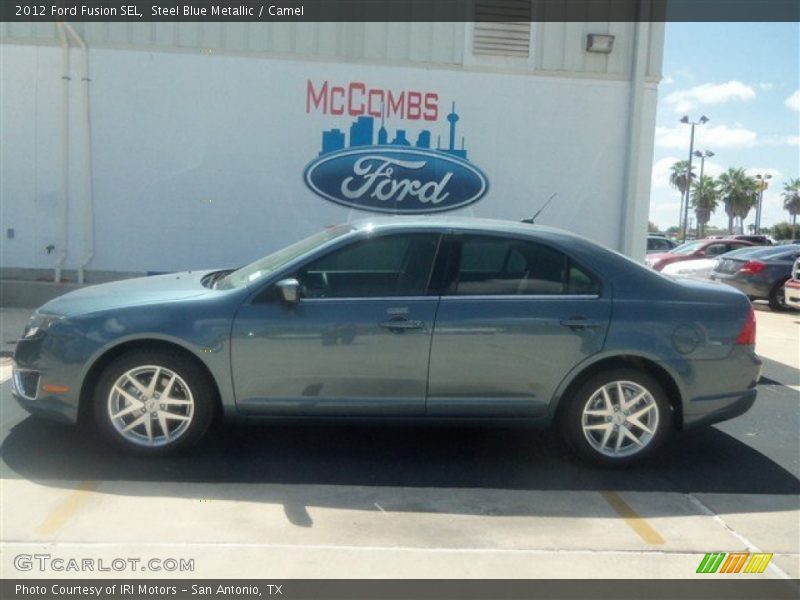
502,28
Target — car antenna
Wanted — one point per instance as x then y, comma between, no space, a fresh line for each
532,220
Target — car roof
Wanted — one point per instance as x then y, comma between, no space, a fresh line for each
457,223
727,239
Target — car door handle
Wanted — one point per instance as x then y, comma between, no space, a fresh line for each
401,324
579,322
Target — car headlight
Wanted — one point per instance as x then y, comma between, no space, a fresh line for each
37,325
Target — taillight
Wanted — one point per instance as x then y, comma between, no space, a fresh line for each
752,266
747,336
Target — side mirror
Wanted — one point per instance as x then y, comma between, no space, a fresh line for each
290,290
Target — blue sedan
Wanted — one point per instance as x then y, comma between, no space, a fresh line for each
408,318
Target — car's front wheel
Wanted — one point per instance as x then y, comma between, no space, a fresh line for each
153,402
617,418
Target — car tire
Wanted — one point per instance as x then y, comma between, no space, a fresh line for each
594,436
777,296
142,417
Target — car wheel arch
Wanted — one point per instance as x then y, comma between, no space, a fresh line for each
644,364
108,355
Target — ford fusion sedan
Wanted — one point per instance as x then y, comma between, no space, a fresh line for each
694,250
405,318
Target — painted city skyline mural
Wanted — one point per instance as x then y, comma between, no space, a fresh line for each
384,160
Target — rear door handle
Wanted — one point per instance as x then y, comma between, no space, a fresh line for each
580,322
401,324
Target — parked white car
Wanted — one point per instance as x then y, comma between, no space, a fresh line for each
792,287
700,268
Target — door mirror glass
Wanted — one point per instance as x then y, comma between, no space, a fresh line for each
289,290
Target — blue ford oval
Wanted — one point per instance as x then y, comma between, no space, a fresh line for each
386,179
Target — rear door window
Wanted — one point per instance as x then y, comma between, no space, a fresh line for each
496,266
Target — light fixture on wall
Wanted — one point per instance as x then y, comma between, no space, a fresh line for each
599,42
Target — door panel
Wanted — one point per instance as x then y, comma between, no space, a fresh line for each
516,316
506,356
333,357
357,343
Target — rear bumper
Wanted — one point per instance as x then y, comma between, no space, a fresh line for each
754,286
719,408
717,390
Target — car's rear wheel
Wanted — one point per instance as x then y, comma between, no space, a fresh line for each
617,418
153,402
777,296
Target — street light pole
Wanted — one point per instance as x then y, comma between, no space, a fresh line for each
763,184
702,155
685,119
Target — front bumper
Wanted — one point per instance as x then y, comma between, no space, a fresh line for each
792,289
34,373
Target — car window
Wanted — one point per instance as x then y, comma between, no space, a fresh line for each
687,248
393,265
508,267
717,249
259,269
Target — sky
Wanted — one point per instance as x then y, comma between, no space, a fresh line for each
744,77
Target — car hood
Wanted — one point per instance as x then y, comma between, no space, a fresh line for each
129,292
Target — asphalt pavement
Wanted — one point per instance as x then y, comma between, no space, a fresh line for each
320,501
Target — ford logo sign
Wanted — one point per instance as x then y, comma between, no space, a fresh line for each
394,180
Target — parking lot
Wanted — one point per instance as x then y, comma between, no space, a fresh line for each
318,501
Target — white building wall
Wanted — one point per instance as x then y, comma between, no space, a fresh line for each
198,157
555,47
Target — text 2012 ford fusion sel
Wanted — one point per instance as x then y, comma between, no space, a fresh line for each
422,317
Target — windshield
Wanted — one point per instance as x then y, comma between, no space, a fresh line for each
687,248
264,266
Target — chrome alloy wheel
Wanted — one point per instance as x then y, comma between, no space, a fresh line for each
150,406
620,419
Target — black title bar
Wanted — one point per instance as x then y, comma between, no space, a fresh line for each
400,10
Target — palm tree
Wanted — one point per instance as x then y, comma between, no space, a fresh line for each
791,201
677,175
704,198
739,193
679,180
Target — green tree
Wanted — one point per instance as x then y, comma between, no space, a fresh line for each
704,200
652,227
679,178
782,230
791,201
677,175
739,193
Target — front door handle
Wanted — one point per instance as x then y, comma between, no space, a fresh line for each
397,325
580,322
